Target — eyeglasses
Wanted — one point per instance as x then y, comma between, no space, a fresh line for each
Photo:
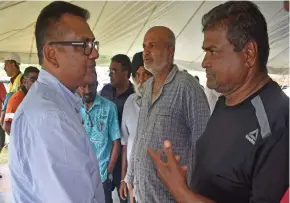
87,45
113,72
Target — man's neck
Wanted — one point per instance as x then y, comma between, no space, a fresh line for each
122,88
251,86
88,105
160,77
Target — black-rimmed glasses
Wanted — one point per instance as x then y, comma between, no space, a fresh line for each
88,46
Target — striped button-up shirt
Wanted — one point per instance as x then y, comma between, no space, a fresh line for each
179,114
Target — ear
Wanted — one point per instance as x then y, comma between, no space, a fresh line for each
250,52
49,55
171,51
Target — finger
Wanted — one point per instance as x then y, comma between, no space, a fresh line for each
122,195
155,157
177,158
169,152
184,168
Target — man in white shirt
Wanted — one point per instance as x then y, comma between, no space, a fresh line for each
130,116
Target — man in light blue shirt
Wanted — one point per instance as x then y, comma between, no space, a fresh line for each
100,120
50,157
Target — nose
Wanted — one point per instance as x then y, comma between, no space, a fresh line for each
146,51
94,54
205,62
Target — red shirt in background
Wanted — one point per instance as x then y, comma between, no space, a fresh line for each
2,93
285,199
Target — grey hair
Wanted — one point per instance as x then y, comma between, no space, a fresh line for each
244,23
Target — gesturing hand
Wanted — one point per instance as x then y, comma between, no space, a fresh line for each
171,174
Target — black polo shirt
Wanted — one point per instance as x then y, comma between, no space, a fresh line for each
109,92
243,155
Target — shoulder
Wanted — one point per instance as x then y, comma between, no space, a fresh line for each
41,101
186,80
275,103
106,88
107,102
131,99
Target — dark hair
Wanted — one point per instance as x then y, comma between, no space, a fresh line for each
197,78
125,62
47,24
244,22
137,61
30,69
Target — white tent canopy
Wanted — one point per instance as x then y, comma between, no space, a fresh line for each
120,27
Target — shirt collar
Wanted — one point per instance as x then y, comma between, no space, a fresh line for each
97,102
171,75
169,78
13,78
128,92
48,79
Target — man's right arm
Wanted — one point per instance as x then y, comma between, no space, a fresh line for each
59,162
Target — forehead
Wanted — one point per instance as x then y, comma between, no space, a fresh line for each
78,26
154,36
215,37
115,65
33,74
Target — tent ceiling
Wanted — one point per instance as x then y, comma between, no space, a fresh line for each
120,27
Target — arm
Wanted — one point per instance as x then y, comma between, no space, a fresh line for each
196,113
2,118
124,162
58,160
124,139
7,127
11,108
271,168
173,176
114,134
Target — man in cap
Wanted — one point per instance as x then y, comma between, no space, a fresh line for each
131,115
12,69
243,154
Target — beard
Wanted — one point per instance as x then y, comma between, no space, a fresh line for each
139,89
89,97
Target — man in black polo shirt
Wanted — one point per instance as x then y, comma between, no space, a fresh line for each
243,154
118,91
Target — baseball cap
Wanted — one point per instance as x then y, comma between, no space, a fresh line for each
13,56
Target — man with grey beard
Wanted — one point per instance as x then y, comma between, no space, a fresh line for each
130,116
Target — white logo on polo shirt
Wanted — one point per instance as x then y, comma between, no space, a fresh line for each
253,136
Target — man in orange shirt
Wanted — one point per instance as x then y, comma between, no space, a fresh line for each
29,77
